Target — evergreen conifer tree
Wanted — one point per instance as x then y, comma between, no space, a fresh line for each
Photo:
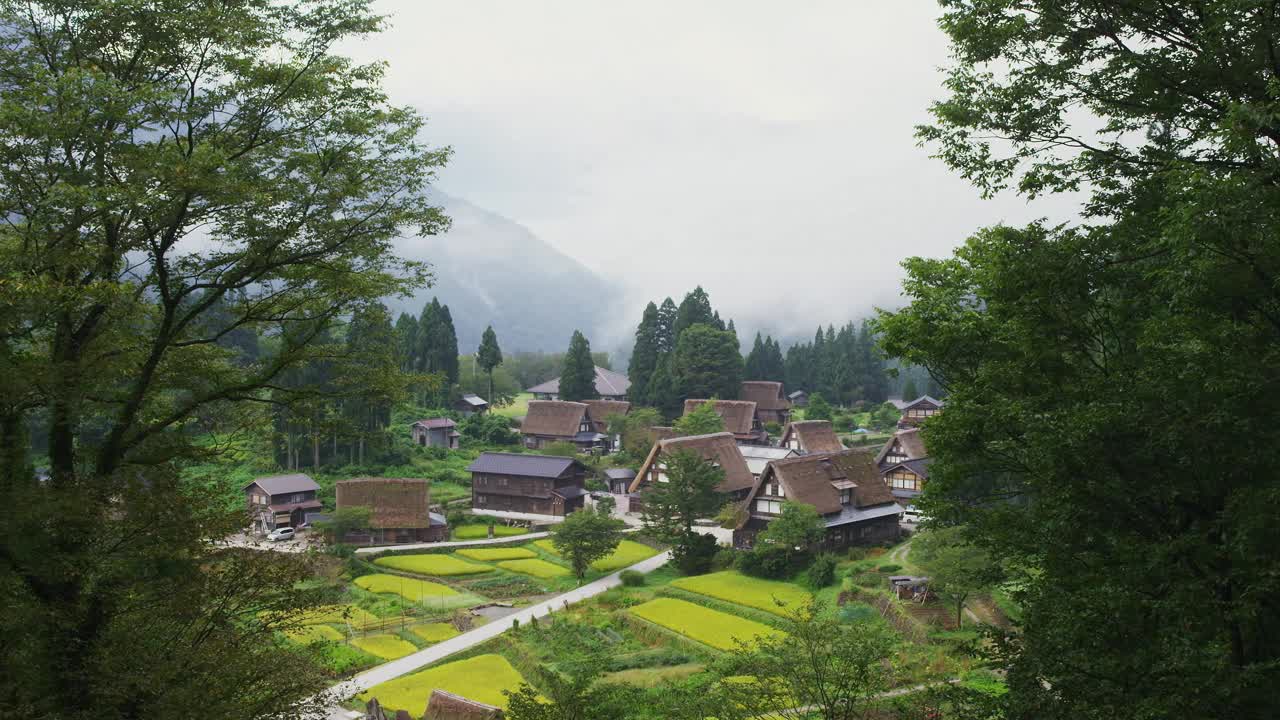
407,337
707,363
694,309
489,356
666,335
578,379
644,355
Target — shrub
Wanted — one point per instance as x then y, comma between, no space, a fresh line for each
857,553
632,578
724,559
766,561
457,517
773,428
694,553
889,568
435,453
823,571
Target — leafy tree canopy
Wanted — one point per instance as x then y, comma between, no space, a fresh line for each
586,536
702,420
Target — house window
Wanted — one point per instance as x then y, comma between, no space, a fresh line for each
774,490
794,444
772,507
846,497
503,481
903,480
481,500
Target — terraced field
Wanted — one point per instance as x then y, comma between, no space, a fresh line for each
481,678
432,564
732,586
710,627
627,553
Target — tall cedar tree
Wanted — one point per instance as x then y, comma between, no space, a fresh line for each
371,382
707,363
578,379
489,356
1145,337
644,355
407,340
753,368
666,335
130,133
695,309
664,393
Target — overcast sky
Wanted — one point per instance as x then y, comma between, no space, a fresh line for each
762,149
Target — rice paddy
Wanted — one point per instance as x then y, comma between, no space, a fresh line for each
536,568
495,554
709,627
627,553
439,565
732,586
481,678
385,646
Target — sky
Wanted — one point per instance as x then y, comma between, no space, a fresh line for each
763,150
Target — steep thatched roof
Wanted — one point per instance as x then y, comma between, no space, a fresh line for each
815,436
719,448
738,415
392,502
766,394
556,418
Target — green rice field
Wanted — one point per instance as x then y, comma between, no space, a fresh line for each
434,632
477,532
734,587
627,553
494,554
407,588
481,678
385,646
308,634
441,565
536,568
709,627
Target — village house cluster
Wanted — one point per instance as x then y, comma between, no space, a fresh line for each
861,494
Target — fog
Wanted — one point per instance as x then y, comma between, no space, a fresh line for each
763,150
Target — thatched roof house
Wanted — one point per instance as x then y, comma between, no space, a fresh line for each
718,448
739,418
811,436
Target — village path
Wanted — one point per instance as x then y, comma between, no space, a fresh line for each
467,640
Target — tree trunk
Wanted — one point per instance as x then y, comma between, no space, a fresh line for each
315,452
490,398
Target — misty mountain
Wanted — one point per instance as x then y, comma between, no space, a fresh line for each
492,270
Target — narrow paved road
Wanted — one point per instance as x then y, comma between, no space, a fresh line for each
441,650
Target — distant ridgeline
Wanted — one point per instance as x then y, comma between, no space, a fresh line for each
491,270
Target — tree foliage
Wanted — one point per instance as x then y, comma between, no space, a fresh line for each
578,379
843,365
586,536
957,568
702,420
175,176
707,363
489,356
1094,370
765,362
644,355
818,408
689,493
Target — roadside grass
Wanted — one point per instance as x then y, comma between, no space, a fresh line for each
434,632
308,634
628,552
481,678
438,565
385,646
732,586
536,567
709,627
479,532
493,554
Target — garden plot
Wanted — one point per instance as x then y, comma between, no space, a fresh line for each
627,553
537,568
709,627
437,565
732,586
495,554
385,646
481,678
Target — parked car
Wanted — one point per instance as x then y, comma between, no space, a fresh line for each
912,515
280,534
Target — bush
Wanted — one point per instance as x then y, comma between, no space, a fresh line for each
823,571
724,559
766,561
435,453
561,449
632,578
489,429
693,554
457,517
890,568
773,428
857,553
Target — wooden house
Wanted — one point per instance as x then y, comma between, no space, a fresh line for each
470,404
718,448
845,488
904,464
527,483
609,386
399,510
811,436
916,411
436,432
551,421
281,501
771,401
799,398
739,418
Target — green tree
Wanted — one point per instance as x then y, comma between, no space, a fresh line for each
909,391
702,420
644,355
818,667
586,536
663,390
578,378
343,521
797,529
957,568
1160,304
691,492
707,363
489,355
407,341
695,309
818,408
754,366
666,333
174,173
636,429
